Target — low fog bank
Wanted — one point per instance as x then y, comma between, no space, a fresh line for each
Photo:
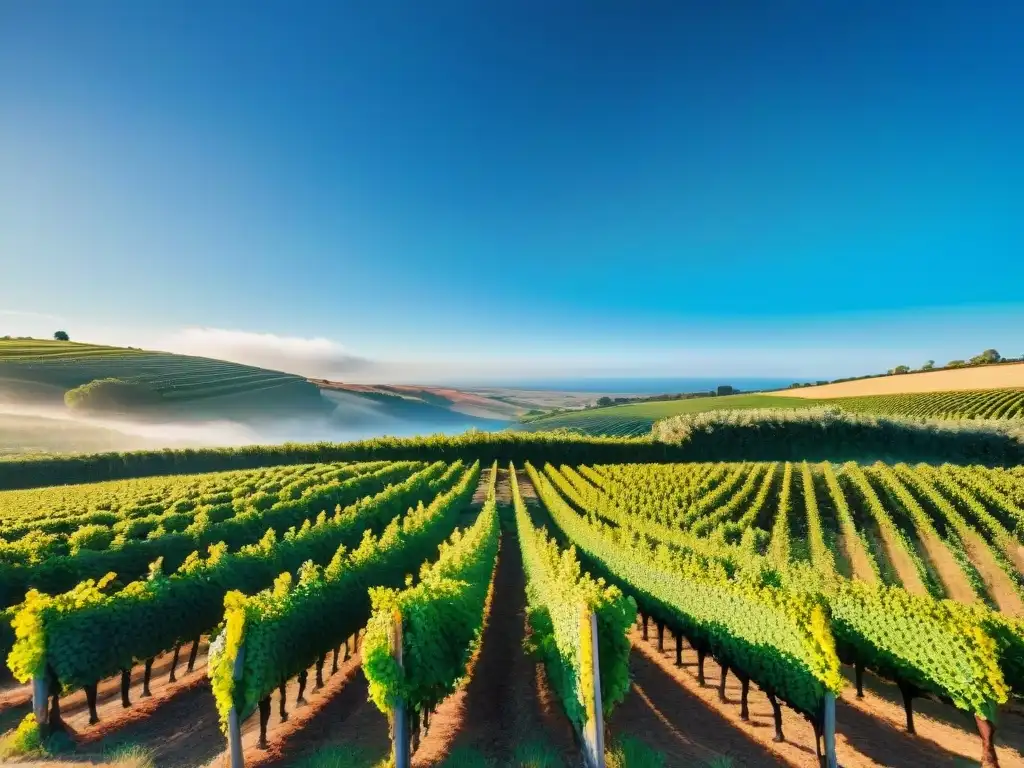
32,428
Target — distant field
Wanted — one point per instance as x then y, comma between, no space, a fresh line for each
972,404
44,370
1003,376
638,418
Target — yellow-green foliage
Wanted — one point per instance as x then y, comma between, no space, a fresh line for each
560,595
778,638
26,740
442,618
968,654
287,628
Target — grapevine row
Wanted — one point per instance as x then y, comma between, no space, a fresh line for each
90,633
289,627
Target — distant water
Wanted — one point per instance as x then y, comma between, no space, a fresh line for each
639,386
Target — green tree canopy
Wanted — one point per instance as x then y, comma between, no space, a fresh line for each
61,336
988,356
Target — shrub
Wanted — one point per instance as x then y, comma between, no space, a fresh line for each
94,537
111,395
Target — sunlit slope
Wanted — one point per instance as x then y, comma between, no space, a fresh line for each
1001,376
42,371
637,418
965,404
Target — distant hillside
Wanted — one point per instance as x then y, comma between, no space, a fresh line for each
998,376
41,372
67,396
635,419
446,398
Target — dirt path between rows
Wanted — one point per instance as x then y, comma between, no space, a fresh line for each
670,718
950,573
506,702
937,724
999,585
178,721
869,732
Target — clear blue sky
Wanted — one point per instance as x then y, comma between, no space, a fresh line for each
672,186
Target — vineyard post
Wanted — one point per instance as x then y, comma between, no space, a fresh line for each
235,757
829,727
593,728
40,696
399,716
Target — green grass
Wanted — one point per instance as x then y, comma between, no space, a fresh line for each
630,752
343,756
635,419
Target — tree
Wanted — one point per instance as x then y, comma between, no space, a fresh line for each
61,336
988,356
929,366
604,401
111,395
955,364
900,369
724,389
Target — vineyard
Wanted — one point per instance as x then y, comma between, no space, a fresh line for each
634,420
974,404
521,614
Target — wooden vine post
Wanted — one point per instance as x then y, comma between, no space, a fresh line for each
235,757
590,687
829,729
400,751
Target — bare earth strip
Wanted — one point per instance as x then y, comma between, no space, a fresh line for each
903,564
981,377
505,702
950,573
998,583
858,557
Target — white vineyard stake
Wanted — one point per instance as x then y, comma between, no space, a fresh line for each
830,731
40,694
593,729
235,757
400,720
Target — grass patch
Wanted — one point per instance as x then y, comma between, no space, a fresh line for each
535,754
466,757
630,752
23,741
129,756
342,756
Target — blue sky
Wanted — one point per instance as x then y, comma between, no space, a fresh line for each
518,189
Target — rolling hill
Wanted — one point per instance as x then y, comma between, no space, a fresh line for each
994,376
41,372
191,401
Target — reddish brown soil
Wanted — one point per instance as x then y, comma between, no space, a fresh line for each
480,494
950,573
902,563
339,713
936,723
669,717
869,731
178,722
996,581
